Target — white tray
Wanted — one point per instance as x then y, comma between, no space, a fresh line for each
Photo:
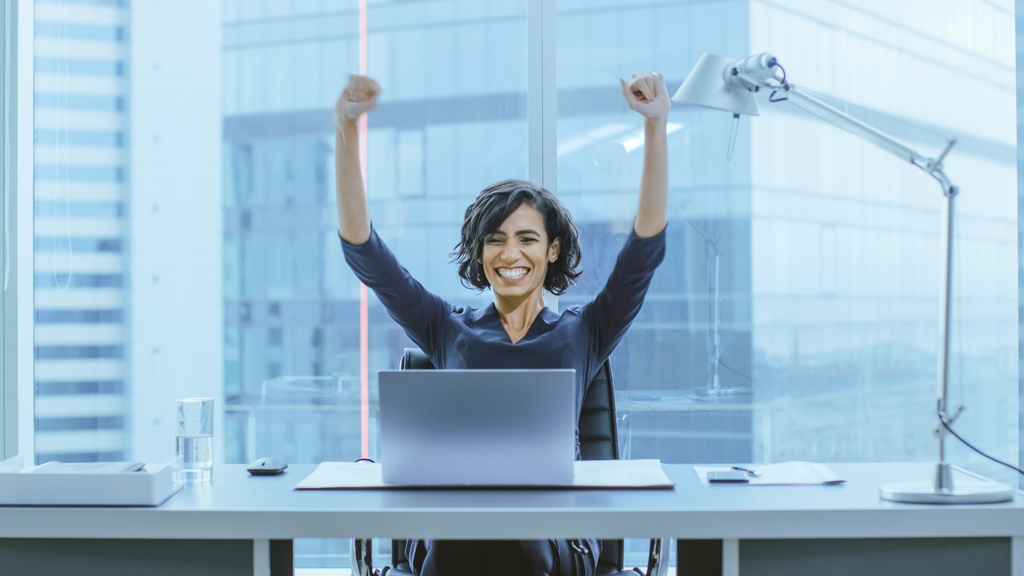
49,485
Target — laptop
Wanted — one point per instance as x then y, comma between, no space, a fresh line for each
477,427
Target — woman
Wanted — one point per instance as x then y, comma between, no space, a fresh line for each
517,240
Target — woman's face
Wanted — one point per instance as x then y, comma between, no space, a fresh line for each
517,255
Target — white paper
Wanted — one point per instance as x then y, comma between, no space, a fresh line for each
343,475
781,474
619,473
588,474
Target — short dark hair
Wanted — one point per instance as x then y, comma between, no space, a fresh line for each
496,203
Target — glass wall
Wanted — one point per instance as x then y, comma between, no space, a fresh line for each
128,218
186,228
684,371
796,314
451,120
845,244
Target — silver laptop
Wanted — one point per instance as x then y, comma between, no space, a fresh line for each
477,427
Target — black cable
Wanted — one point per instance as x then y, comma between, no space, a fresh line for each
734,371
945,424
772,98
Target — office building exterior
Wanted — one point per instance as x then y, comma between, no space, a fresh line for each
81,269
127,224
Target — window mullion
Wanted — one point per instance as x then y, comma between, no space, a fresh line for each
16,150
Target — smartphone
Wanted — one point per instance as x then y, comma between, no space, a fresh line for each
722,476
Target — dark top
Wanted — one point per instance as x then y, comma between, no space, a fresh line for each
458,337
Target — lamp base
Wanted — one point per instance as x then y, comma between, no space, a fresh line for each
721,392
974,490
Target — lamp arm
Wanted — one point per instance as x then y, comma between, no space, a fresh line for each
933,167
840,119
759,72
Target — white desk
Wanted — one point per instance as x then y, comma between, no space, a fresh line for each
233,520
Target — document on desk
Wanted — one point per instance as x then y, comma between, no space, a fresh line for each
589,474
781,474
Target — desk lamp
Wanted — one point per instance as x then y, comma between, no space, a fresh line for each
728,84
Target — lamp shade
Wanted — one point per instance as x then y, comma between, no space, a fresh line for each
706,86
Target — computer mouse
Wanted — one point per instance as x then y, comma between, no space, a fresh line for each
267,466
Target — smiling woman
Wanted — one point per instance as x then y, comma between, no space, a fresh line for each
517,239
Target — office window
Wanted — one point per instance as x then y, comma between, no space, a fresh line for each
796,314
128,217
448,124
185,233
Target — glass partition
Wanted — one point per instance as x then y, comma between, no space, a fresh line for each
185,228
796,314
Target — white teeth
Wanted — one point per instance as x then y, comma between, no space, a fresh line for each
512,274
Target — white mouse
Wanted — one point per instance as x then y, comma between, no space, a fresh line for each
267,466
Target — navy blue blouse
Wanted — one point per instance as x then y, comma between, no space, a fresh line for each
457,337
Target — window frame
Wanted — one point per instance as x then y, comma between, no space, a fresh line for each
16,397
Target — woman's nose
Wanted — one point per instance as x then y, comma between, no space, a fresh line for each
509,253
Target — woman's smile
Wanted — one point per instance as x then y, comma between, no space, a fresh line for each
512,273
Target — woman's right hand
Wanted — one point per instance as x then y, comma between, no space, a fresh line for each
359,96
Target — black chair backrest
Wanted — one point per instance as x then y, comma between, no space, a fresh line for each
599,437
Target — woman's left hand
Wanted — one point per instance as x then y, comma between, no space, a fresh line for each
646,93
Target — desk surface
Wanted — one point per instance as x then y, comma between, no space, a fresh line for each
240,506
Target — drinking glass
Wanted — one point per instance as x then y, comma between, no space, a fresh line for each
193,462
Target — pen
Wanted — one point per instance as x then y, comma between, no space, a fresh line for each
747,470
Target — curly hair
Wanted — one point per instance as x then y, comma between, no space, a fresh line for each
496,203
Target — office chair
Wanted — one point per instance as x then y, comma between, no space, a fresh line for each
599,440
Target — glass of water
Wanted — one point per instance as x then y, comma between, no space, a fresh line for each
193,462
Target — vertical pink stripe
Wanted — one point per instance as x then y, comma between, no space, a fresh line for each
362,37
364,319
364,374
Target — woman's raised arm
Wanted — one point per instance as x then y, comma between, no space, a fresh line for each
353,216
646,93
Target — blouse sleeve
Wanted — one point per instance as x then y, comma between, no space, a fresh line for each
610,314
418,311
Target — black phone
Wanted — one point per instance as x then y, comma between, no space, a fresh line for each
717,476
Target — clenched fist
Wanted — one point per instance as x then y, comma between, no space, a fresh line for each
359,96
